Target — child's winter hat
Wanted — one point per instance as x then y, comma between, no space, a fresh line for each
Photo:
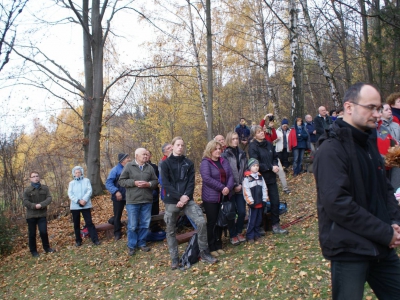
252,161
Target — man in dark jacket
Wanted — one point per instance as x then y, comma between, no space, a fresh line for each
117,192
36,199
178,174
311,131
357,211
322,121
244,134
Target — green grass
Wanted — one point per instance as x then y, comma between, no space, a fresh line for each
277,267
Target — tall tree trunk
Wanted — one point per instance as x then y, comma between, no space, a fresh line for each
98,101
321,60
367,45
88,70
209,71
378,42
294,53
343,42
265,64
198,68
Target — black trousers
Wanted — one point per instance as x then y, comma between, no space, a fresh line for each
214,232
284,157
118,207
87,216
41,223
273,195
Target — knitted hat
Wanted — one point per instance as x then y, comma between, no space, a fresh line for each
285,121
252,161
122,156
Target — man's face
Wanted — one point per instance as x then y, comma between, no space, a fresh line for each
141,156
220,139
178,147
285,127
148,155
242,121
322,111
34,178
308,119
168,150
386,112
364,114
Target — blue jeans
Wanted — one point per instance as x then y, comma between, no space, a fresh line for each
41,223
240,210
139,216
297,160
383,276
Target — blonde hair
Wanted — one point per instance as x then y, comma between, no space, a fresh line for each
211,146
177,138
391,99
229,137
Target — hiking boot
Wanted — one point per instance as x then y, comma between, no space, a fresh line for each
221,252
145,248
131,251
97,243
261,231
235,241
287,191
35,254
206,257
276,229
214,253
250,241
175,263
78,244
241,238
50,250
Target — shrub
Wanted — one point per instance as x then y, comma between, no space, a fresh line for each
8,234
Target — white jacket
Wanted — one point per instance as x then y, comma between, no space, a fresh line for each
279,140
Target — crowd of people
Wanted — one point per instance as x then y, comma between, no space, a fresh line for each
358,215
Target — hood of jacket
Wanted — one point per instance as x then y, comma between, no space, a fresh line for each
73,172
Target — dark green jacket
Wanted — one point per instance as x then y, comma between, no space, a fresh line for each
132,173
34,196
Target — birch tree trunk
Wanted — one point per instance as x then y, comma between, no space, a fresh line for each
198,68
321,60
209,71
294,53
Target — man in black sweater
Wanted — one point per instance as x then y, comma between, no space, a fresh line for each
358,215
178,178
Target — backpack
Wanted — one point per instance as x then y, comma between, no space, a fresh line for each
191,254
156,236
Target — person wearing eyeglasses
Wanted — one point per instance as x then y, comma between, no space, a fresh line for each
358,214
36,199
322,122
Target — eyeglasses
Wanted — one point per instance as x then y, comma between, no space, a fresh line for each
371,107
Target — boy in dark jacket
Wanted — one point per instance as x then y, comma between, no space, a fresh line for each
254,192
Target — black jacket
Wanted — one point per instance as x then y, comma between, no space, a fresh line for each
177,176
353,224
265,153
321,125
238,174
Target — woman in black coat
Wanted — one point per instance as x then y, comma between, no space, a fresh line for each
264,152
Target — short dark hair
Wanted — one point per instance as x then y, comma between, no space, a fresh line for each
352,94
33,172
243,118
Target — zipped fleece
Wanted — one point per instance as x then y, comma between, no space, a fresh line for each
353,225
132,173
177,176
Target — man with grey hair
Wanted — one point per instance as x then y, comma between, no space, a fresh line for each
139,179
310,126
321,122
220,139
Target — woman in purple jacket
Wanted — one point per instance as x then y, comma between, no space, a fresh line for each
217,184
